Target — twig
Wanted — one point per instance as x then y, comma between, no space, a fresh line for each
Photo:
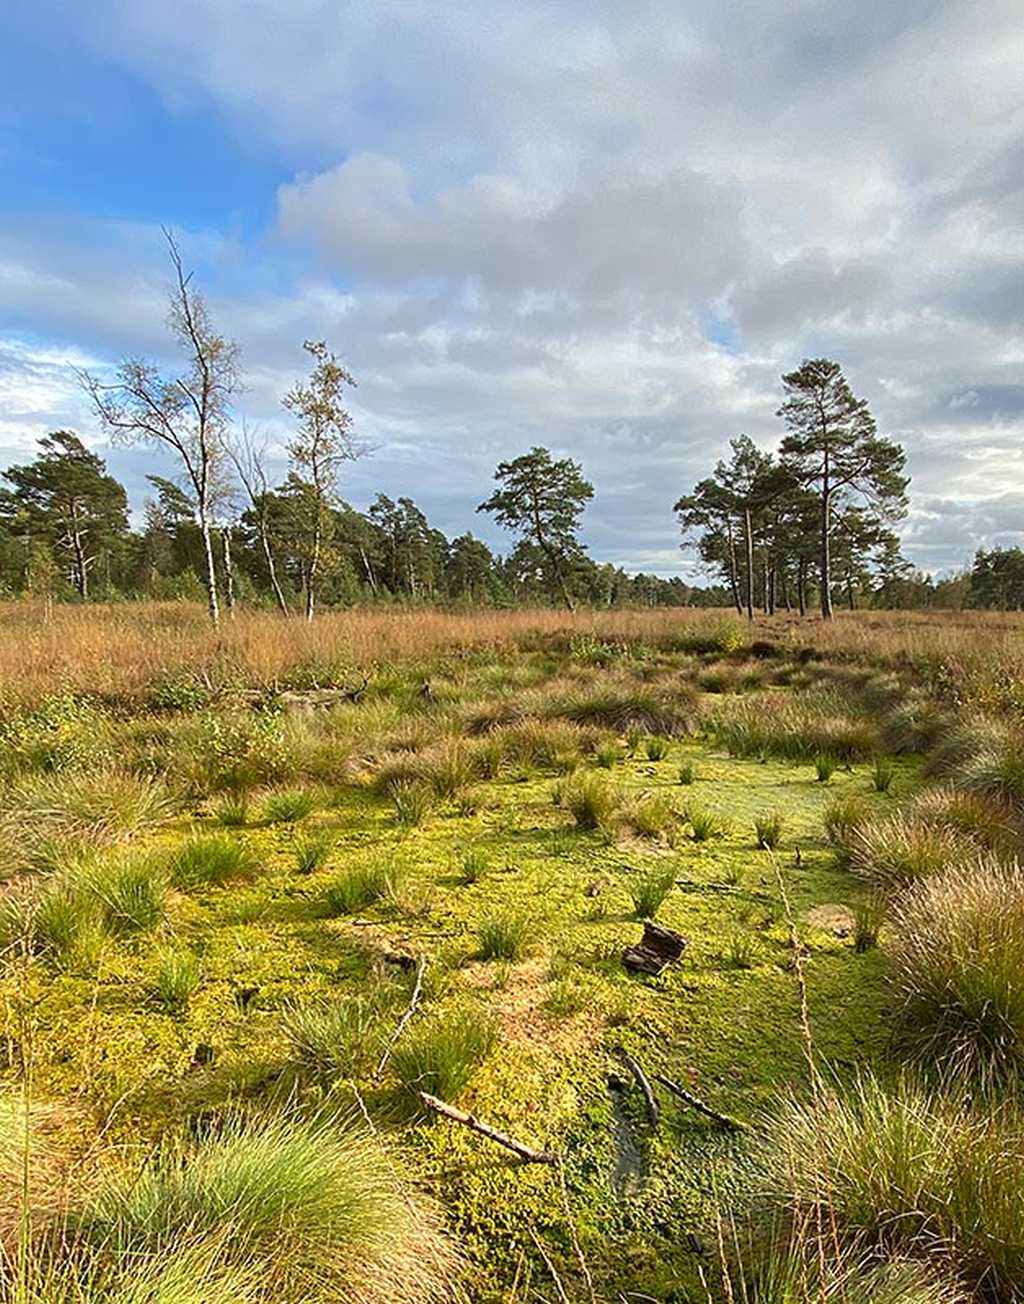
525,1152
403,1022
695,1102
550,1267
643,1083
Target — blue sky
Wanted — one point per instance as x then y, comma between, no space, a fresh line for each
603,227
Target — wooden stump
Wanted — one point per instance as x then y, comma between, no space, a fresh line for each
658,948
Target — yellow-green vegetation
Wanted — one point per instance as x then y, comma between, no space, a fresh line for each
254,942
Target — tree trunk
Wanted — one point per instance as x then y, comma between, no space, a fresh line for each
370,577
229,571
81,566
801,586
733,580
771,588
851,602
311,569
784,588
268,555
749,533
212,605
826,558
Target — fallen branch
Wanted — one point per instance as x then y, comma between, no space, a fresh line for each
727,889
525,1152
695,1102
643,1083
403,1022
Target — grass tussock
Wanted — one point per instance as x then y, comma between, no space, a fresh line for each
900,849
178,977
363,885
211,860
908,1170
796,728
841,819
588,798
768,829
335,1039
648,890
957,958
441,1053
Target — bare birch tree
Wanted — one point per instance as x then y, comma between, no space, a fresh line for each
248,453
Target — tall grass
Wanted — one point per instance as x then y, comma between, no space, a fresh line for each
314,1212
440,1054
588,798
957,958
900,849
648,890
338,1038
362,885
209,860
504,936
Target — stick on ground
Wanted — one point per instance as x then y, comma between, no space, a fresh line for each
410,1010
695,1102
645,1086
525,1152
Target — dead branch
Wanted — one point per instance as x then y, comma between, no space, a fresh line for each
695,1102
643,1083
403,1022
525,1152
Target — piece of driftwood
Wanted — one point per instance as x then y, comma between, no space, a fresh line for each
658,947
642,1083
695,1102
403,1022
527,1153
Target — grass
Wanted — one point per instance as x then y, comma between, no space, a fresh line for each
362,885
704,823
647,814
178,977
957,956
825,765
413,802
883,774
588,798
335,1039
909,1169
232,812
607,755
899,849
649,890
314,1212
440,1054
312,850
473,863
657,749
211,860
768,829
841,820
288,805
131,891
504,936
687,773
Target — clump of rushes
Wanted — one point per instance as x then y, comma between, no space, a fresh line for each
883,774
657,748
311,1211
288,805
440,1054
61,923
900,849
687,773
607,755
768,830
473,864
649,890
842,818
504,936
361,886
825,765
177,977
335,1039
588,798
312,850
983,819
413,802
210,859
649,815
131,891
957,955
634,737
902,1170
868,917
232,812
704,823
796,1270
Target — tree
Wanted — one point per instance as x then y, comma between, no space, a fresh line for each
248,454
542,500
833,448
323,441
67,498
470,568
187,412
706,519
749,484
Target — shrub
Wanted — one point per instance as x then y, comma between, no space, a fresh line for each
440,1054
957,956
687,773
177,977
657,748
825,765
588,798
288,805
883,774
899,849
704,823
910,1170
649,890
336,1038
768,830
210,859
504,936
314,1211
361,886
413,802
312,850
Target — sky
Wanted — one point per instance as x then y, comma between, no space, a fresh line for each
605,228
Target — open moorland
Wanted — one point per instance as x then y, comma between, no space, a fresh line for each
284,904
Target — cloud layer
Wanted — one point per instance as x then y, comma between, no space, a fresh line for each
607,228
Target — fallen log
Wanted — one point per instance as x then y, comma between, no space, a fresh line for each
527,1153
642,1083
658,947
695,1102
